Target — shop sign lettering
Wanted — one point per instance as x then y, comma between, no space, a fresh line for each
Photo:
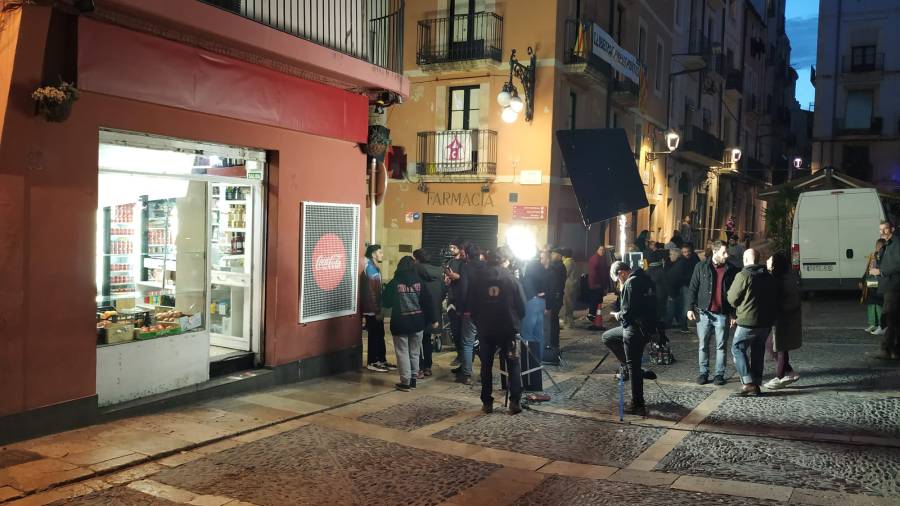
463,199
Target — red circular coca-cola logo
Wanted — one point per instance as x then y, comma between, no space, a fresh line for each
329,258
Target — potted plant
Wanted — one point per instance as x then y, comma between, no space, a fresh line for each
54,103
378,141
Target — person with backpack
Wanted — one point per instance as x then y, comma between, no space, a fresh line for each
411,313
498,308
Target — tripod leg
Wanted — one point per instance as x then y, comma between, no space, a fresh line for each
589,375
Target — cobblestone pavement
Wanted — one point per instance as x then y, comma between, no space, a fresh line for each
825,466
600,394
581,491
419,413
310,463
831,438
556,437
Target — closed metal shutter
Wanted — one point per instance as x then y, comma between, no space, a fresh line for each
439,229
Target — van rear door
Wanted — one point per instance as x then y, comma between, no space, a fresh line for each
859,212
818,234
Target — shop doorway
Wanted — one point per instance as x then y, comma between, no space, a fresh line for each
179,272
439,229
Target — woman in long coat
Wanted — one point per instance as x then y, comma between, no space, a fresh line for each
788,331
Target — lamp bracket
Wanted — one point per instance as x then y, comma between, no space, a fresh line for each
526,75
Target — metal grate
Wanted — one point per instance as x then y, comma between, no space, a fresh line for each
329,265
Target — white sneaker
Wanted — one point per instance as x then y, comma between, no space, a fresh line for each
878,332
774,384
790,378
376,368
871,328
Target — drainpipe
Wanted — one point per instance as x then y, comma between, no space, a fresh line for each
609,82
373,175
834,79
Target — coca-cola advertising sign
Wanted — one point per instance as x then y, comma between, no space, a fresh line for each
330,244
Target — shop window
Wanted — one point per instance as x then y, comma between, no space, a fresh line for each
464,108
178,235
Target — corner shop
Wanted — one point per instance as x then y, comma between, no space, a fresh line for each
49,192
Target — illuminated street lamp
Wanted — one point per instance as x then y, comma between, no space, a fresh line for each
509,99
672,141
798,162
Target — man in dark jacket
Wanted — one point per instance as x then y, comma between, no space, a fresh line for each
412,311
678,276
598,282
555,292
753,296
470,271
708,306
434,283
657,264
536,283
888,286
638,315
452,277
498,307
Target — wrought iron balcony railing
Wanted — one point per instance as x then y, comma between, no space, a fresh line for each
695,139
459,153
463,37
862,63
370,30
843,127
579,44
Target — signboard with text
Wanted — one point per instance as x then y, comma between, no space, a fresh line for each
529,212
605,47
329,260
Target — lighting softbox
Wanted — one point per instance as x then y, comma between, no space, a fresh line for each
603,173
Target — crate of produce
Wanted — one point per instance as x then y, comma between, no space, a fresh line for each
158,330
115,332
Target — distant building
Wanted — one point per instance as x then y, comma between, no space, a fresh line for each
857,111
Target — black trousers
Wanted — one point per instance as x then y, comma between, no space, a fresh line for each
890,343
595,298
375,332
509,354
427,348
627,344
553,341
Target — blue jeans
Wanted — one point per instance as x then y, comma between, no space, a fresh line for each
533,324
468,344
749,350
708,323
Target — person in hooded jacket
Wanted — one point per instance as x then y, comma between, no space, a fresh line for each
753,295
498,308
433,277
657,265
411,313
637,312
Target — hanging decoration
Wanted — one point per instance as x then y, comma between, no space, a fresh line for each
54,103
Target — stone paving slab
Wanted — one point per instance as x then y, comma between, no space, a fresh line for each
410,416
582,491
313,464
116,497
794,410
556,437
601,395
814,465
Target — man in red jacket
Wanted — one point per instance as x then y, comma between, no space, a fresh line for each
598,283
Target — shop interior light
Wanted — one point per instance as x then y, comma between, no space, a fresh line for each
509,115
521,242
516,104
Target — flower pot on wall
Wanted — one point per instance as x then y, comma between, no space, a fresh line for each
54,103
378,141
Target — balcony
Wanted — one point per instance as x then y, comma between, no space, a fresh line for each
625,92
755,168
456,39
581,64
875,127
700,146
873,62
698,52
369,30
734,84
457,154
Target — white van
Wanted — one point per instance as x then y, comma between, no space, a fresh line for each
832,235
